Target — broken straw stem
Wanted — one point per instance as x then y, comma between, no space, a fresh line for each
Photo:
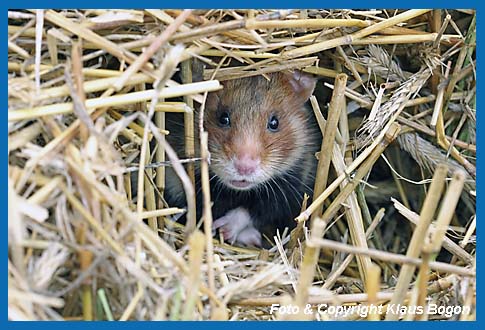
427,212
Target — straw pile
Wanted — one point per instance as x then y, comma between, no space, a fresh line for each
88,92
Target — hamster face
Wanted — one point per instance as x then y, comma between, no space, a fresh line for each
258,129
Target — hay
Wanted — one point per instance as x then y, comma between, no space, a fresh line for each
88,93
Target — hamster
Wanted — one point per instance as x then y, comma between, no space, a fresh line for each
262,141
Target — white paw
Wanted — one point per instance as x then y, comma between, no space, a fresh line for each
236,226
250,236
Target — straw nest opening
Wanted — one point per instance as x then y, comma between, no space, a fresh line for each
392,218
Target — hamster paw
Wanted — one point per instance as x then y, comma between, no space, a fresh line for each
232,223
250,236
236,226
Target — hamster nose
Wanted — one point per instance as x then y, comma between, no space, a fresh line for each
246,165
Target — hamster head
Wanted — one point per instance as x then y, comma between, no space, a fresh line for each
258,128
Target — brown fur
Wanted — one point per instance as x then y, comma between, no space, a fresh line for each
251,102
286,155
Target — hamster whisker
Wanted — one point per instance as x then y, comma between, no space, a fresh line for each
295,193
282,193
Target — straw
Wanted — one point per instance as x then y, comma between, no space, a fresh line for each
95,96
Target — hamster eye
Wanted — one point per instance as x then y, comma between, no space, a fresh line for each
273,124
224,119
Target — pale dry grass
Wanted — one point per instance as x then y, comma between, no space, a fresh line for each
88,93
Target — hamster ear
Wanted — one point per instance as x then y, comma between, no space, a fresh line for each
212,101
302,84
